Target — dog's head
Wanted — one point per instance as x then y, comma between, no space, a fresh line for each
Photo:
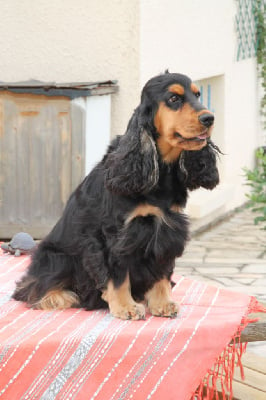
180,120
169,120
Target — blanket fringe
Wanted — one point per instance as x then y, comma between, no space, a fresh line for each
220,377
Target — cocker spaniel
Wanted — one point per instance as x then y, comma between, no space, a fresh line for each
122,228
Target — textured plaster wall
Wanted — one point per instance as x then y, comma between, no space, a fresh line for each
132,40
66,41
194,37
198,38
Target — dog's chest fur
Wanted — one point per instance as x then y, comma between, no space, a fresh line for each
169,195
152,233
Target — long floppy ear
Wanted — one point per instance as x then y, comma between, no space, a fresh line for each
200,167
133,166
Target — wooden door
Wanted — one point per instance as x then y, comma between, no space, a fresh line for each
38,162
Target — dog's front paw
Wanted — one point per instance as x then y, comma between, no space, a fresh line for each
121,303
159,300
132,311
169,309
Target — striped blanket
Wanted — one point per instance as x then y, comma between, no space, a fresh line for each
82,355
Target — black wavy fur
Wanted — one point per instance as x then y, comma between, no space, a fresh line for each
204,162
92,244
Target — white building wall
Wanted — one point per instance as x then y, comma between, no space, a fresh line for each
133,40
73,41
98,117
241,124
193,37
198,38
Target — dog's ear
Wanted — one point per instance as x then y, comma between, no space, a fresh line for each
132,167
200,167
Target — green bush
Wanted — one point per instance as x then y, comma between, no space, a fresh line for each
256,179
259,11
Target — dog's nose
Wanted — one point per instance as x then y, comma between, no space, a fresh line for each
206,119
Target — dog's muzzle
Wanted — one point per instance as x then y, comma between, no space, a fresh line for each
206,119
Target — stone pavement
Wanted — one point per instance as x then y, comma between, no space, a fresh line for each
231,255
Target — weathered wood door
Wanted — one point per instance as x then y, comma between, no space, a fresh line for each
41,161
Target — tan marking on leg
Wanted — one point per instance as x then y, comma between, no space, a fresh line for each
57,299
143,210
121,303
159,300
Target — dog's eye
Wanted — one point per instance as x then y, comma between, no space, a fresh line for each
197,94
174,99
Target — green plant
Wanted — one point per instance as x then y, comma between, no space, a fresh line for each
259,11
256,179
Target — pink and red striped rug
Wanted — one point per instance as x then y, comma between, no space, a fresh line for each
76,354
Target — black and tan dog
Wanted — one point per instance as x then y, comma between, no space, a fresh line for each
123,227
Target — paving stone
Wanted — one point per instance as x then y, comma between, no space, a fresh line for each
185,265
192,258
217,271
234,246
231,253
199,264
202,278
197,246
246,281
261,298
236,260
190,249
245,239
251,290
225,281
255,268
183,271
258,348
260,282
242,275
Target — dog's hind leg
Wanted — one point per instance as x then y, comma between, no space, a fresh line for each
48,283
56,298
121,303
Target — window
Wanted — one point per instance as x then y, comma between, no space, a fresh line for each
246,28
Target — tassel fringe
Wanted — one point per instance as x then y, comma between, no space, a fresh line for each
219,379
